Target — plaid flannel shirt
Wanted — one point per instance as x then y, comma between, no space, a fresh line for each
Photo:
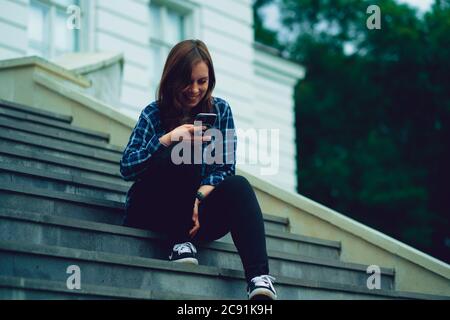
144,142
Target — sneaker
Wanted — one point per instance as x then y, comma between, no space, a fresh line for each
184,252
261,288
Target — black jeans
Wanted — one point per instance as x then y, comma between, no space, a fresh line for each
163,201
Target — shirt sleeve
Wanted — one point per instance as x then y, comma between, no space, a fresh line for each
215,173
143,144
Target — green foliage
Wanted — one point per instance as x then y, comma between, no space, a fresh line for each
263,35
373,124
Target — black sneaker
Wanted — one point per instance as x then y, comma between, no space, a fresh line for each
261,288
184,252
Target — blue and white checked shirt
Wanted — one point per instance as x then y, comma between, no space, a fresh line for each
144,142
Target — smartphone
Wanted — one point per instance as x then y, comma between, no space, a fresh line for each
207,119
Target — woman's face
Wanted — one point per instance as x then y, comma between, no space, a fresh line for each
198,86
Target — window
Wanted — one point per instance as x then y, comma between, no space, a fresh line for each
48,34
169,25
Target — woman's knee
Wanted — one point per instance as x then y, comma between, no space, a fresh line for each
240,198
236,180
238,185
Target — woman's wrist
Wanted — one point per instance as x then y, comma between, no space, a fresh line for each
204,191
165,140
200,196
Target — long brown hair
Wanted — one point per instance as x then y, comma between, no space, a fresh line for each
176,76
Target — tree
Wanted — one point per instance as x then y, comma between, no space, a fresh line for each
262,34
372,114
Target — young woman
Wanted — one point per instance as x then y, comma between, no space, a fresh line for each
193,202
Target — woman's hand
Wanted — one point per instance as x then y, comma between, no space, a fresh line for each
205,189
187,132
196,226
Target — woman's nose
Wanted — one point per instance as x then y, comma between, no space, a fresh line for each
194,89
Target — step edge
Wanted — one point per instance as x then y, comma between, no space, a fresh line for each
30,155
50,194
63,177
93,290
32,110
277,219
297,237
92,154
62,125
76,140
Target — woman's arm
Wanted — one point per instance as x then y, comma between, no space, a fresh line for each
143,144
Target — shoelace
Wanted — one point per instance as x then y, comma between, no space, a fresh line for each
184,247
264,281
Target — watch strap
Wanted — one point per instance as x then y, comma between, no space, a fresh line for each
200,196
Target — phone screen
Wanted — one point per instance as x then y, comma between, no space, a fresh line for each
207,119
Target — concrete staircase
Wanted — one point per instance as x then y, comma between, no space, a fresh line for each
61,204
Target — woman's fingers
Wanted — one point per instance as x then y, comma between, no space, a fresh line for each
192,128
194,230
189,132
198,131
202,138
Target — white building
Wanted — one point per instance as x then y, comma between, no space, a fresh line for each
256,82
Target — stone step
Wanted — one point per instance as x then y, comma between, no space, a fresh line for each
112,270
54,146
26,110
276,223
81,207
30,177
16,288
52,120
55,133
298,244
37,151
46,162
70,233
62,154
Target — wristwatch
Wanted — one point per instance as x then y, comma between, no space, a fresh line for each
200,196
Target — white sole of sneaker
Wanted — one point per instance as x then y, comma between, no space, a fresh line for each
187,260
262,293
